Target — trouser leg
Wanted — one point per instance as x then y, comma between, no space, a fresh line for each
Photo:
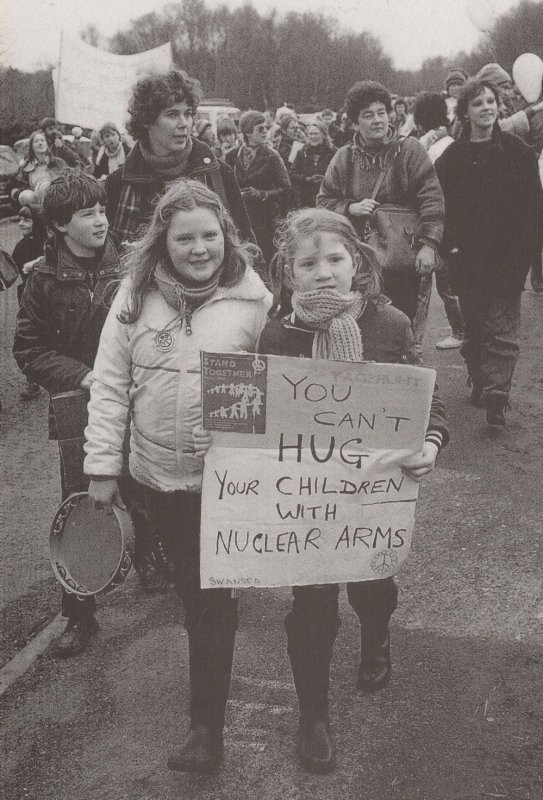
450,302
210,614
423,305
500,332
403,290
470,307
374,602
312,627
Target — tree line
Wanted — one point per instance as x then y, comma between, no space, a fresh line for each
263,60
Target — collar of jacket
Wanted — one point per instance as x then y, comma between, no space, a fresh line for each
135,169
59,261
391,141
497,136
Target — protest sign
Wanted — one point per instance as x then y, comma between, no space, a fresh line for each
107,79
302,483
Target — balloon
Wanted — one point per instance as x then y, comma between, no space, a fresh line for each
482,13
26,197
528,76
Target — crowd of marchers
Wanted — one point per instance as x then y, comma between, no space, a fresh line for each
259,235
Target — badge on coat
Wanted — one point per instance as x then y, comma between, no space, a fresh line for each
164,341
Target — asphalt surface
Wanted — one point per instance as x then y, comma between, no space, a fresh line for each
462,718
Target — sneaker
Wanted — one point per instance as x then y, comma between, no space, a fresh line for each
449,343
75,637
496,405
30,391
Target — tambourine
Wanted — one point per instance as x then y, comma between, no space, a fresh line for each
91,552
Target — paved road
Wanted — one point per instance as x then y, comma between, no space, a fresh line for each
462,719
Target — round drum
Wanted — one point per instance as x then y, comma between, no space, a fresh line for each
91,552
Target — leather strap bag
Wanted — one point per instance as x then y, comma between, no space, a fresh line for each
392,231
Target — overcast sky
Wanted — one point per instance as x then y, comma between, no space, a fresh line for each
410,30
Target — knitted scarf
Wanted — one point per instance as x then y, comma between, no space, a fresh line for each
182,296
168,168
334,316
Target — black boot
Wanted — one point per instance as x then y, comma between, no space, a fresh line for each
374,603
312,627
211,650
496,405
375,666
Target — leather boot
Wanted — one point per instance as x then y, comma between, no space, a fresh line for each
211,651
312,627
75,637
374,603
375,666
496,405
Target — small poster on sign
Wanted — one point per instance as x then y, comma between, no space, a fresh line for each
234,392
302,483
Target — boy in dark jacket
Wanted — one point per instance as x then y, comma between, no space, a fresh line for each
63,309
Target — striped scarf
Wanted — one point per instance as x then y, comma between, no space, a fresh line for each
334,316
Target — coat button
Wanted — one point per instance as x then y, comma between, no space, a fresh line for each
207,161
64,274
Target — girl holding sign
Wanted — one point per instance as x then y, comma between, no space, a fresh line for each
339,313
191,287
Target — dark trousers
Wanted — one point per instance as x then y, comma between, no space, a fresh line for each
211,615
175,517
491,337
403,290
313,624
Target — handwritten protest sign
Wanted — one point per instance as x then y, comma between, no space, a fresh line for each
302,483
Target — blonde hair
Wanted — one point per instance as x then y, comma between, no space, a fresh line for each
145,254
313,221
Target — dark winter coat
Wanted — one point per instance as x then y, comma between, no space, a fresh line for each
136,171
494,211
386,336
309,162
269,176
62,312
101,167
29,247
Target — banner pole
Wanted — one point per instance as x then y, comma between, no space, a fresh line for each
57,87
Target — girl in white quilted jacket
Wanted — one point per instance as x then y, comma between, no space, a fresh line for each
190,287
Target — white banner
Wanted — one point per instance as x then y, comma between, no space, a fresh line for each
302,483
93,86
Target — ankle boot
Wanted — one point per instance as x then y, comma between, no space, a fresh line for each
316,749
375,666
496,405
312,627
200,753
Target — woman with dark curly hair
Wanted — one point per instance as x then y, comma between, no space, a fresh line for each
161,111
409,181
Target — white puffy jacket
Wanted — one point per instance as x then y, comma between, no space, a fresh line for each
161,390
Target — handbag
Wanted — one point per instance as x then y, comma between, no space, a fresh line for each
391,231
8,271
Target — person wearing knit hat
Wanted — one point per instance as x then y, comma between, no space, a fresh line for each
495,74
263,180
454,81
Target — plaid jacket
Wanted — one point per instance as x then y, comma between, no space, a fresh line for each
133,189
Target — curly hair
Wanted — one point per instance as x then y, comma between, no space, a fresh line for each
430,111
154,93
362,95
145,254
310,222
